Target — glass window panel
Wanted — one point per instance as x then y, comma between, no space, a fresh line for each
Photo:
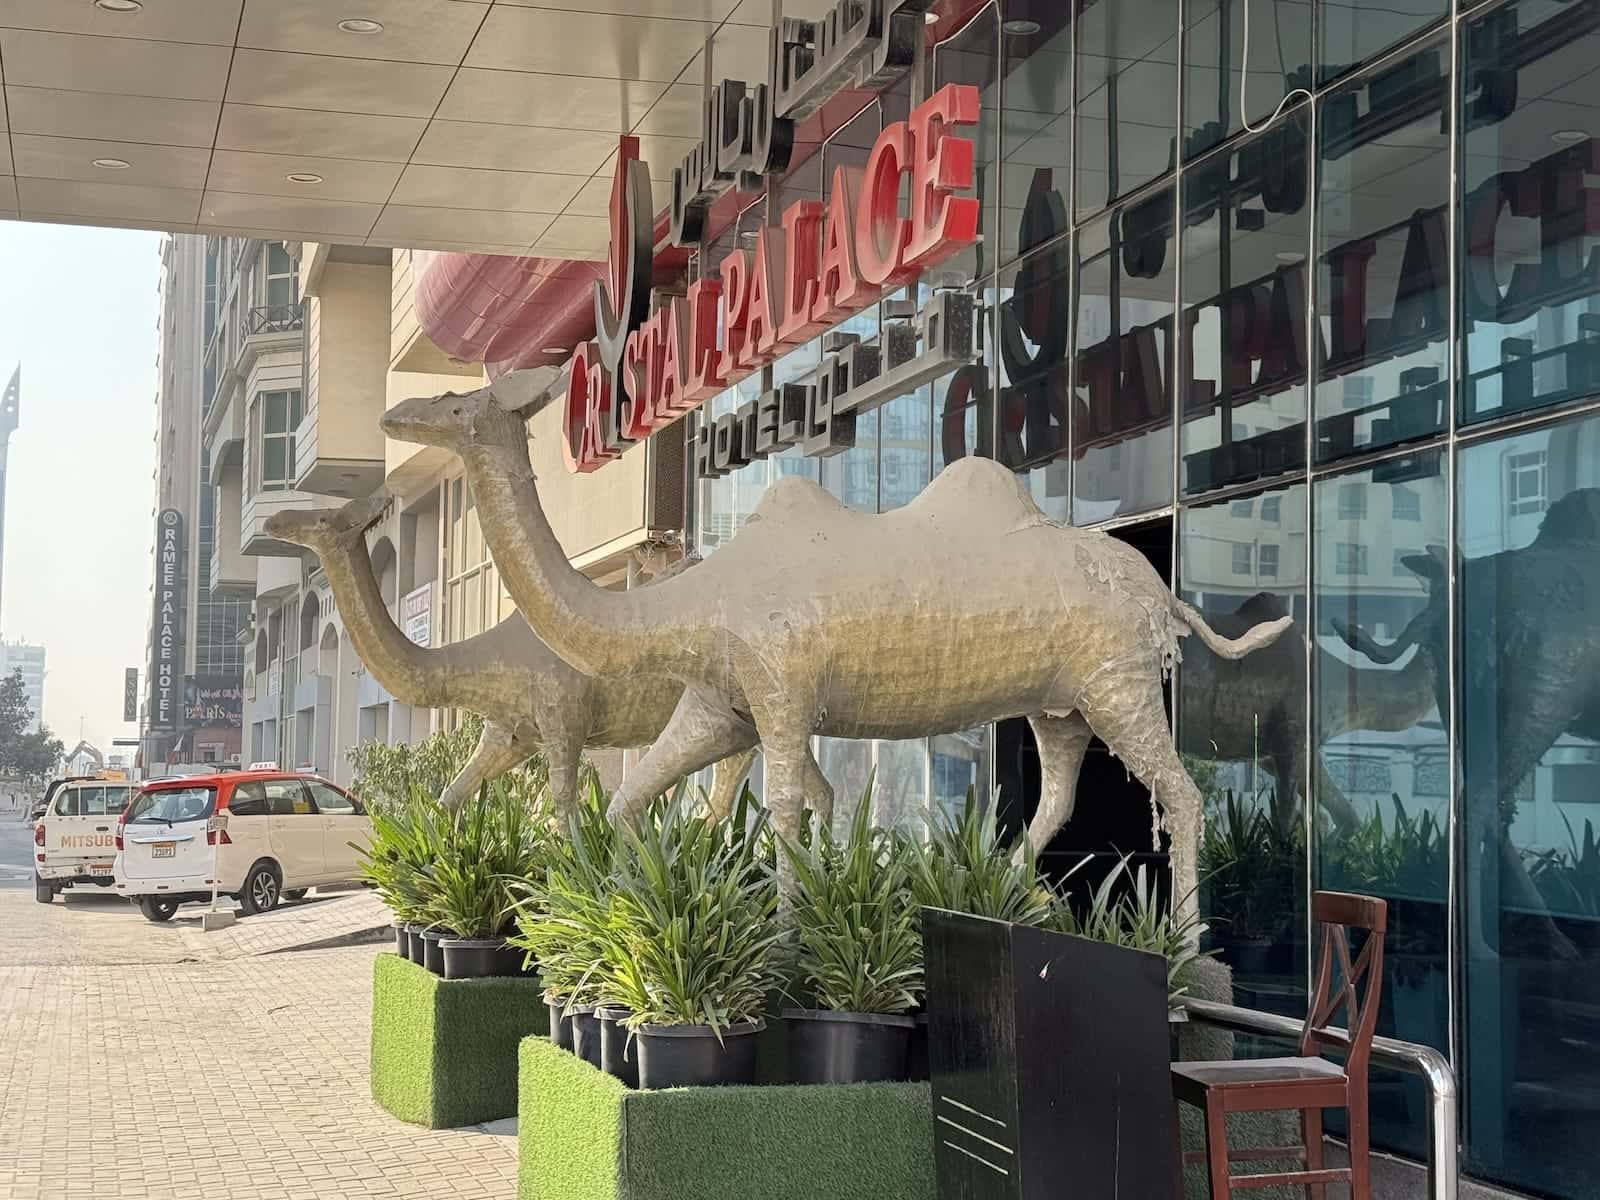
277,412
1529,622
1247,231
959,764
281,290
1382,259
852,475
1381,768
972,56
1356,31
1122,362
1127,88
1034,315
1036,128
274,462
472,605
1530,254
901,801
847,764
1241,731
1280,62
963,407
905,448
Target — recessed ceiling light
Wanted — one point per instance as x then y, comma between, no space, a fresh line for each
1020,28
119,6
555,350
112,164
303,177
1569,135
360,25
930,17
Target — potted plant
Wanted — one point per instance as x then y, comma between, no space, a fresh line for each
858,955
396,862
1251,873
695,945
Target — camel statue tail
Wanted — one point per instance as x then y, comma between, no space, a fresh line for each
1254,638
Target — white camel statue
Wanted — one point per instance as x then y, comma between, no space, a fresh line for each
965,606
529,698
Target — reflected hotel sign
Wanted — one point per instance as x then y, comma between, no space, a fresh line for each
826,260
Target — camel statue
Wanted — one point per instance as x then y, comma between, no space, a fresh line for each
965,606
1255,708
529,698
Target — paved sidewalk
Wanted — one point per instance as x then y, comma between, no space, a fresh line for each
129,1072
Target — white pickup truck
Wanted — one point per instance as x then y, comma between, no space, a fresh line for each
75,841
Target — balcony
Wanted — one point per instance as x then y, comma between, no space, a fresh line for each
232,574
274,319
253,516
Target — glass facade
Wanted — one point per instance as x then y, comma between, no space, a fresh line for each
1302,299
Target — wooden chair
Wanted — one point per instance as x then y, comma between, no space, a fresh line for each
1308,1083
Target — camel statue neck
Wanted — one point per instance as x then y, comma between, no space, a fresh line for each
598,631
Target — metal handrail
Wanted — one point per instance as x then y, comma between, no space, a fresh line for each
1423,1061
274,318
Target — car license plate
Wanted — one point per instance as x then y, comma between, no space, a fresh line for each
99,868
163,849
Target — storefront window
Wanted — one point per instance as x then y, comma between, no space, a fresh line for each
1246,235
1214,44
1035,327
1529,626
972,56
1383,267
1355,31
1529,269
1241,731
1382,765
1127,87
1036,126
901,801
958,766
1122,361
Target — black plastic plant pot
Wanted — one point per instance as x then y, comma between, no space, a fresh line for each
586,1034
471,958
414,944
432,951
847,1047
508,961
617,1058
917,1051
560,1023
692,1056
402,940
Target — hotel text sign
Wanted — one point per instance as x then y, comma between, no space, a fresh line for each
166,657
827,260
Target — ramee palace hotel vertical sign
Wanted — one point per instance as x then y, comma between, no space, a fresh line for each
824,261
166,644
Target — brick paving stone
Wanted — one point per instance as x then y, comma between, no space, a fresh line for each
153,1061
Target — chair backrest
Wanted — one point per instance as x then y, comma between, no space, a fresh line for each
1360,982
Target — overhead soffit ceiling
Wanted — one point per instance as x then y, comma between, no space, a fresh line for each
477,125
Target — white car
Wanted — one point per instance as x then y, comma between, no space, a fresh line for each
74,839
263,835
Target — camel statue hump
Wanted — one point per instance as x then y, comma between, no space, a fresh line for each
793,497
981,490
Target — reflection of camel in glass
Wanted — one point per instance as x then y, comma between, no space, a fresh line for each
1530,666
1253,709
531,701
965,606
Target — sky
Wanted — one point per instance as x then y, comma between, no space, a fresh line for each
79,309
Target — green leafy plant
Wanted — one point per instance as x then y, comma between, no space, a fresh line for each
390,774
857,928
964,868
402,850
694,937
1569,880
1134,916
494,840
1408,856
1249,870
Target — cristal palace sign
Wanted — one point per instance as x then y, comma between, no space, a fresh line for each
825,260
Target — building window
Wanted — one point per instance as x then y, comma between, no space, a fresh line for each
1407,503
1243,558
1269,561
1527,481
471,592
1270,508
1350,559
1352,501
1242,508
281,282
277,417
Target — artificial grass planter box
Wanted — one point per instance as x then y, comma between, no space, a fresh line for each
444,1054
582,1135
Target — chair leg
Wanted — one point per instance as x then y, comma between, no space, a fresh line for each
1217,1149
1311,1128
1360,1164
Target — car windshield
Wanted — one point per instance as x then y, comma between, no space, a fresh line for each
171,804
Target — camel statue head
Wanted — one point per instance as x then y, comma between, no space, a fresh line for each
324,528
453,421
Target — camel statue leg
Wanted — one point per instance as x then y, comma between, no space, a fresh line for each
697,735
787,745
564,754
1332,800
727,782
497,753
1063,741
819,792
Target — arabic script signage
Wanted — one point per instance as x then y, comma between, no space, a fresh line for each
416,615
215,701
825,261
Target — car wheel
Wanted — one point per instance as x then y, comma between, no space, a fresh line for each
296,894
43,892
261,891
157,908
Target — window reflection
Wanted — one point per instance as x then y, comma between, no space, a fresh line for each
1529,579
1036,127
958,765
1122,423
971,56
1382,259
1034,321
1241,730
1354,31
1529,269
901,799
1382,770
1245,238
1127,89
1280,61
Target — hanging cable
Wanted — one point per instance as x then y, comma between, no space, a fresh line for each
1244,80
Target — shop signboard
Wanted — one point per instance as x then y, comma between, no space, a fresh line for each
416,614
1049,1063
212,702
166,643
130,694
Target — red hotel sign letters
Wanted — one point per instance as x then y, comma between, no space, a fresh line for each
827,260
